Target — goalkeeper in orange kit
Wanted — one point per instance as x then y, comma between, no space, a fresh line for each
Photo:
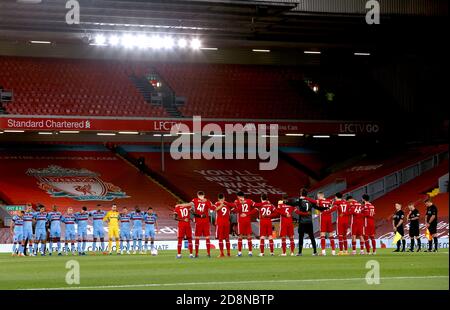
112,218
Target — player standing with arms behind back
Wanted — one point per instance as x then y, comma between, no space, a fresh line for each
244,210
182,214
357,224
369,224
343,222
266,212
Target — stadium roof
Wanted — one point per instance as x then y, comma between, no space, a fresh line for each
226,23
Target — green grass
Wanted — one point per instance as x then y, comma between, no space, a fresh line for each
397,270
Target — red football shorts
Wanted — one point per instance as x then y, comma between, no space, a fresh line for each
286,228
370,228
244,227
325,224
265,227
184,230
343,225
358,229
223,230
202,229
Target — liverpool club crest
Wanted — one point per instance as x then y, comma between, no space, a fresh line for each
78,184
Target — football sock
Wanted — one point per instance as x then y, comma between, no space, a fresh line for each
261,245
228,247
292,244
322,242
435,243
411,248
240,245
374,244
332,243
341,243
353,245
179,245
250,245
197,244
271,246
221,246
208,246
403,244
283,245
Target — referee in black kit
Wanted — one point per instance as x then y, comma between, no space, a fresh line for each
397,223
414,233
431,224
305,225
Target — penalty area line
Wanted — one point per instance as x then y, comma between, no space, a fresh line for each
225,283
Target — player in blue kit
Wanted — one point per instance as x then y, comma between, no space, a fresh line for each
54,217
28,227
69,219
151,226
125,231
82,218
137,217
40,230
17,232
99,232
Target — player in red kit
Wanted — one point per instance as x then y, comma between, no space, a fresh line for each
343,222
286,225
326,225
357,224
182,214
266,212
244,208
223,210
369,225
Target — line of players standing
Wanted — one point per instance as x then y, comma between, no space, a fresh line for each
47,227
356,217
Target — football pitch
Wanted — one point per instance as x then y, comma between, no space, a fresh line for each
397,271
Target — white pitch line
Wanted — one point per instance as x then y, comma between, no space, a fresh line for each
222,283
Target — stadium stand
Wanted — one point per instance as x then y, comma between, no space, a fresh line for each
239,91
116,178
371,168
73,87
416,191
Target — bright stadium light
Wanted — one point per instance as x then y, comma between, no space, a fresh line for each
295,134
209,48
40,42
13,131
100,39
156,42
168,42
128,41
361,54
321,136
312,52
182,43
45,133
196,44
128,132
114,40
347,135
260,50
269,136
142,41
69,131
106,134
